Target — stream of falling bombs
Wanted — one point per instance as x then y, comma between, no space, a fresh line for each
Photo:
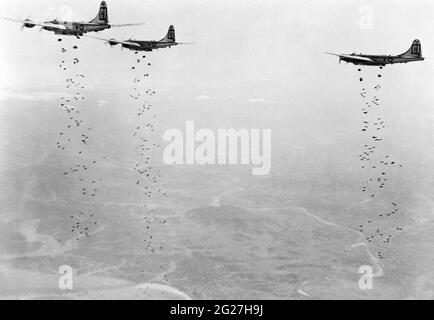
74,138
144,133
377,166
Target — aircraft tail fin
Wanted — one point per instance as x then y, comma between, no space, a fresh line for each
170,36
102,16
415,50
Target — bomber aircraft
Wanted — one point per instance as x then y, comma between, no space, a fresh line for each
99,23
414,53
145,45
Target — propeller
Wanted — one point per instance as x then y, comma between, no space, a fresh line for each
111,42
23,25
27,24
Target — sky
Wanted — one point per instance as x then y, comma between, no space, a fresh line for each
255,64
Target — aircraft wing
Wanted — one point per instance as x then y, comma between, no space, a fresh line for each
127,24
41,24
114,41
354,57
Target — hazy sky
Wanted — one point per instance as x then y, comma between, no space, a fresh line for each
256,63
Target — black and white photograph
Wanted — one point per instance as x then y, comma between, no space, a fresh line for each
216,150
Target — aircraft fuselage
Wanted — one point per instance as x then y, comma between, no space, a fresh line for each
379,60
76,28
147,45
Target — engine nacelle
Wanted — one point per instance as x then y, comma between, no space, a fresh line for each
112,42
28,24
